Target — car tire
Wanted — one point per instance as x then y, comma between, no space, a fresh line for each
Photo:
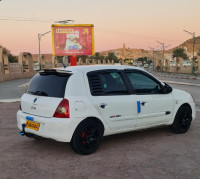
182,120
87,137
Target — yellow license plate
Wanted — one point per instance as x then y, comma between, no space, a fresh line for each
32,125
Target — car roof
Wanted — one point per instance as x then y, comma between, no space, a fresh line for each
88,68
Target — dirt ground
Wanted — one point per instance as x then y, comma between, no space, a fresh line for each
154,153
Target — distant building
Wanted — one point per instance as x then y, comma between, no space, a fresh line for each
124,46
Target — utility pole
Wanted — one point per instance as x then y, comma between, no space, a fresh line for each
193,36
153,57
39,38
163,47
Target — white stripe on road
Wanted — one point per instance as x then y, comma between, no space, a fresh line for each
24,85
9,100
182,83
198,109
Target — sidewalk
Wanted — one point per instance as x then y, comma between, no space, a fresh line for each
173,75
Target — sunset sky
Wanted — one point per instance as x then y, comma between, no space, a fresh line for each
138,24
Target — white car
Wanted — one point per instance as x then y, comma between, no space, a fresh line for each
82,104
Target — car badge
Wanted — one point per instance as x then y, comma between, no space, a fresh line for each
34,100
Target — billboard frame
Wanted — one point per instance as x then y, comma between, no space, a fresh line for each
71,25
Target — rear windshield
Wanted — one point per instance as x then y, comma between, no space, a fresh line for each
50,85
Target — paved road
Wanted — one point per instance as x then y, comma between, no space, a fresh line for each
10,89
193,86
154,153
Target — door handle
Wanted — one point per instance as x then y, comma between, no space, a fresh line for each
143,103
103,105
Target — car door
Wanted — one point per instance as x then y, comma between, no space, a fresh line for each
111,97
154,107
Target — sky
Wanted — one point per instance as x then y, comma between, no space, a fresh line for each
137,23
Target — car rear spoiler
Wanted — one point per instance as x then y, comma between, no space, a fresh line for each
54,72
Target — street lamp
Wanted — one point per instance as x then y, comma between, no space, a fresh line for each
64,21
66,60
39,38
163,46
193,36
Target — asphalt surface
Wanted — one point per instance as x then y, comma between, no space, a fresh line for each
11,89
154,153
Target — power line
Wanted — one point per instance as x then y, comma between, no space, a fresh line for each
97,28
130,34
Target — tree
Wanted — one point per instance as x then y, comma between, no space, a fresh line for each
179,53
97,56
60,59
112,56
83,57
12,58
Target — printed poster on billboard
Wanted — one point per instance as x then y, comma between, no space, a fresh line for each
73,39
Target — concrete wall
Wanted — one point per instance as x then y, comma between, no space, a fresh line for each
178,68
22,69
25,67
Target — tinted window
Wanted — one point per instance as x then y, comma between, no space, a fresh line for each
48,85
107,84
143,84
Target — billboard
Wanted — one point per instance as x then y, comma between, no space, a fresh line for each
73,39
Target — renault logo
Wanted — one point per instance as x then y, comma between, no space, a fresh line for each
34,100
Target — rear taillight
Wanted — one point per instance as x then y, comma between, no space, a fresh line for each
62,110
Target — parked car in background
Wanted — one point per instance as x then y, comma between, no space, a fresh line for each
82,104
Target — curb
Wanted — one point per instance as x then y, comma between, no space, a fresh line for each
179,77
182,83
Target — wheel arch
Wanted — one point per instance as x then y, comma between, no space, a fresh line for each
97,120
186,105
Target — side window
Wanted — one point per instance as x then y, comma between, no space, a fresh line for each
143,84
107,84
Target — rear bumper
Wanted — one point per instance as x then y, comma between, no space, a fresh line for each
54,128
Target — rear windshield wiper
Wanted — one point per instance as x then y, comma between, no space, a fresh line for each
39,93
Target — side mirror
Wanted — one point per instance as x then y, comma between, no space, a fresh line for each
167,89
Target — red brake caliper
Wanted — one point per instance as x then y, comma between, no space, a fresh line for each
82,136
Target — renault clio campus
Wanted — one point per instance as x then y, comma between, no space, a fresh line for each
82,104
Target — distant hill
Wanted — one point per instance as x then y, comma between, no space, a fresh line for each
128,53
188,45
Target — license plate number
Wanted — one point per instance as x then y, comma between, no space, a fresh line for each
32,125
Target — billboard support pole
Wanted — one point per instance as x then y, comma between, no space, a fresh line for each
73,60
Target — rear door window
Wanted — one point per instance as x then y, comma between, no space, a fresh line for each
110,83
51,85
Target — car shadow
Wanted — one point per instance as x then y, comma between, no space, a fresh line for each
51,146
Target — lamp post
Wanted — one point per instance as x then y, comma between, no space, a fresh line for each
163,46
73,59
193,36
39,38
